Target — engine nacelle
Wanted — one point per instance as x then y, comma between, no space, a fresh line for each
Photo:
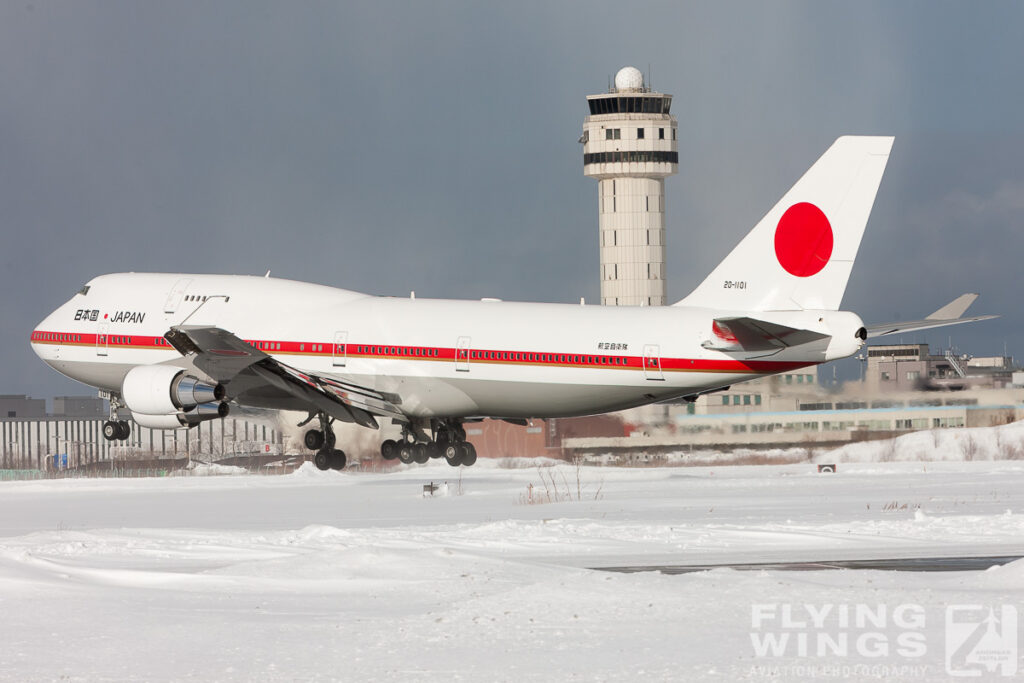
199,413
165,389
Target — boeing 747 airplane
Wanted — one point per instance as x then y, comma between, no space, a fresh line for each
178,349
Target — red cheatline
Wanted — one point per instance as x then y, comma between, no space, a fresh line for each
803,240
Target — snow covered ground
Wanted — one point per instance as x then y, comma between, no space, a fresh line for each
323,576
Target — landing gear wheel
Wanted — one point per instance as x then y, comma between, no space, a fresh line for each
322,460
405,453
419,453
389,449
337,459
434,451
314,439
124,430
453,454
468,452
111,430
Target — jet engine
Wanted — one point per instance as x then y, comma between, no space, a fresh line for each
166,397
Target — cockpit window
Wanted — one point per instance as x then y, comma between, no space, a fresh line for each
84,290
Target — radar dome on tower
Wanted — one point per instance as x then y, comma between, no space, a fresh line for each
629,78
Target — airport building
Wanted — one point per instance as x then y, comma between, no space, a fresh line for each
51,443
629,146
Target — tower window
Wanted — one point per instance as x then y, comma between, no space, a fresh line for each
639,133
612,133
673,133
661,133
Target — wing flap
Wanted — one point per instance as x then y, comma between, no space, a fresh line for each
224,356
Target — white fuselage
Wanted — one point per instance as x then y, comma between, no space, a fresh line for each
443,358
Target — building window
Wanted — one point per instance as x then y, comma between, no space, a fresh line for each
612,133
746,400
913,374
661,133
725,400
639,133
735,400
673,133
789,379
886,377
757,400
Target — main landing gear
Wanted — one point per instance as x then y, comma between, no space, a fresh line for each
448,441
322,441
114,429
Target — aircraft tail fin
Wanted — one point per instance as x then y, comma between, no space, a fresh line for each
799,256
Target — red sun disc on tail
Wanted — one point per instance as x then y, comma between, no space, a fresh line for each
803,240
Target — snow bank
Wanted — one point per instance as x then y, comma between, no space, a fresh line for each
1004,442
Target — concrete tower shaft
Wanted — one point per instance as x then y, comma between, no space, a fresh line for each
629,145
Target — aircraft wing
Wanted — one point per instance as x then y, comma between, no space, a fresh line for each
228,359
950,314
751,334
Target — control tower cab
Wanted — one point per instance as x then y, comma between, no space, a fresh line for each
629,145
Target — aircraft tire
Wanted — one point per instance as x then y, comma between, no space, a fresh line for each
111,430
314,439
468,453
434,450
389,449
322,460
338,459
453,454
420,454
124,430
405,453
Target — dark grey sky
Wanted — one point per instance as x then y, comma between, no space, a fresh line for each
386,146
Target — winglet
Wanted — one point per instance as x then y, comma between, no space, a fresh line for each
955,308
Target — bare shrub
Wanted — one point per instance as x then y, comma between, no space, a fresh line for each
888,451
1007,449
969,447
557,489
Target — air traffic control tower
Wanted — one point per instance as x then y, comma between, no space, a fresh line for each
629,145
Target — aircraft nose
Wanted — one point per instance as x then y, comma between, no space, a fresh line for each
42,336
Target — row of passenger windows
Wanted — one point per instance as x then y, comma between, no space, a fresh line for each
627,157
547,357
200,297
56,336
397,351
651,104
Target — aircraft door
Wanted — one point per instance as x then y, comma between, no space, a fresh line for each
102,338
652,362
462,355
176,295
340,353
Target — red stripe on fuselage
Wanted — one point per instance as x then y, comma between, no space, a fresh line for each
433,353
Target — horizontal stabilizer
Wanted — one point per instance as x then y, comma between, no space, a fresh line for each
750,334
947,315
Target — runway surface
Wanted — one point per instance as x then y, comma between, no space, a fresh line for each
898,564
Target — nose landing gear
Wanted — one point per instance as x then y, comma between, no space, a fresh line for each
114,429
